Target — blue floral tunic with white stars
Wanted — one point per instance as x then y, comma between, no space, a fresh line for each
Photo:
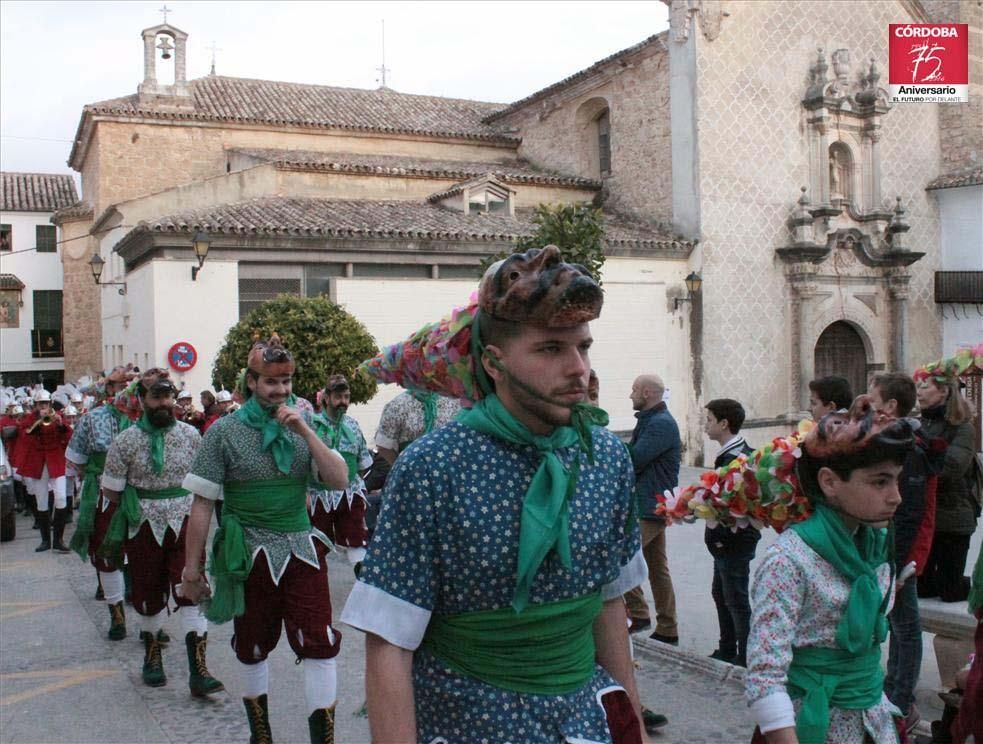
447,543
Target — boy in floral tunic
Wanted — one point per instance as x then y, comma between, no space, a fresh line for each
268,563
145,467
491,592
822,593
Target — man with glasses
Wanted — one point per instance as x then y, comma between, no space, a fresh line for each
268,562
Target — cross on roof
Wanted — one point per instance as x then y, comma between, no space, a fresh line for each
165,10
213,49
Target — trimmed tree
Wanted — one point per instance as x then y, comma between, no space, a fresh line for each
577,230
322,336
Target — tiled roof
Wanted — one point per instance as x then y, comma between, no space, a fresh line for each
576,77
970,176
508,171
80,209
219,98
10,281
393,220
457,188
36,192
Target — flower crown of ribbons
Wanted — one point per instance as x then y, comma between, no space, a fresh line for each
966,361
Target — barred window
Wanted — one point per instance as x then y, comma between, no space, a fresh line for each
45,238
254,292
47,309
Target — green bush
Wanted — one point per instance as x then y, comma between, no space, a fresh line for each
323,338
578,231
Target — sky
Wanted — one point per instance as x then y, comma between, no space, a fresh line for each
55,57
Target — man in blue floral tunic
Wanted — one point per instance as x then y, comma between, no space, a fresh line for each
491,592
267,563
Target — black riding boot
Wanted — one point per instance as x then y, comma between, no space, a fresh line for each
44,525
58,530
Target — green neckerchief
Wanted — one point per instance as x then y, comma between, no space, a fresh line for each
976,590
824,678
275,437
338,434
156,434
545,521
278,504
546,650
864,621
129,514
123,422
429,402
87,504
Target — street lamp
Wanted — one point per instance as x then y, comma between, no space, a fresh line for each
200,242
693,284
96,265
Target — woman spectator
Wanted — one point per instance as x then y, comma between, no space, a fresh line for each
946,419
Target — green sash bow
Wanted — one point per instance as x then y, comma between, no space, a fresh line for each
87,504
831,677
275,437
337,435
276,504
429,402
545,521
546,650
156,435
130,514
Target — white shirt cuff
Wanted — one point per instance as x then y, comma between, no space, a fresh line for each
395,620
77,457
355,555
773,712
632,574
113,484
381,440
205,488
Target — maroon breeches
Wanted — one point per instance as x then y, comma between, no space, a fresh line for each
155,569
99,527
301,602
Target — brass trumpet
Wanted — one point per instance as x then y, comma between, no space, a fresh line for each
47,420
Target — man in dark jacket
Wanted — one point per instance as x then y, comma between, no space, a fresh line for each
893,394
656,452
732,551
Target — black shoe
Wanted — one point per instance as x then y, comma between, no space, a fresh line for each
652,721
638,624
671,640
721,656
100,595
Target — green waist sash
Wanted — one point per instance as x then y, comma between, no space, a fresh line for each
87,504
130,514
830,677
278,504
548,649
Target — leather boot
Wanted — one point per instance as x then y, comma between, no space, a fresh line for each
100,594
320,723
44,525
153,664
58,531
32,505
200,680
117,622
258,713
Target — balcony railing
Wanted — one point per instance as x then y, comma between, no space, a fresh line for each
46,343
959,286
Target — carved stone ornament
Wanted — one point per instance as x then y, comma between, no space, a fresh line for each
681,13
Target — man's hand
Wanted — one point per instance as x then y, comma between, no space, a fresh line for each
193,585
292,419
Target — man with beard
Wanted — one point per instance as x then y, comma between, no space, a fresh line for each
268,563
145,467
340,514
491,591
42,436
87,450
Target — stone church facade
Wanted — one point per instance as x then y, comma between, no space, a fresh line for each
751,143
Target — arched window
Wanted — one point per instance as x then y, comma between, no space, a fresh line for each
593,120
840,172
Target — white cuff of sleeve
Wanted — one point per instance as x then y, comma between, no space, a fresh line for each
773,712
113,484
205,488
632,574
395,620
355,555
77,457
381,440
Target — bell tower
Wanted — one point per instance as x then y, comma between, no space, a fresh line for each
169,41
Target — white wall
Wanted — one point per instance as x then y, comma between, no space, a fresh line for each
37,271
961,212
